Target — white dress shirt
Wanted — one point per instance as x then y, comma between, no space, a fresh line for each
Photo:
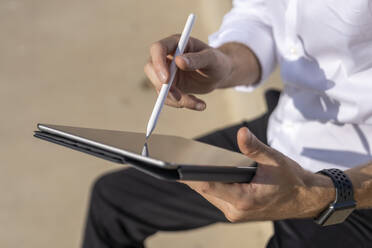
324,50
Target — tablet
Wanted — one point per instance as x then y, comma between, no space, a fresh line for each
162,156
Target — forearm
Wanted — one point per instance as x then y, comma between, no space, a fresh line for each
361,177
245,68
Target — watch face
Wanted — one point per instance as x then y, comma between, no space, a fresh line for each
338,216
338,212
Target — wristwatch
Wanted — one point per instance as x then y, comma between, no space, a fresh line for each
343,206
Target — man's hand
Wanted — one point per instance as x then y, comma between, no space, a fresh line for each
281,189
201,69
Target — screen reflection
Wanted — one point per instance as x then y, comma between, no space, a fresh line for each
145,150
171,149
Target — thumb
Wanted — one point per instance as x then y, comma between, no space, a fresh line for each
195,61
253,148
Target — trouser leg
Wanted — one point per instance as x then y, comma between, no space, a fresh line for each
127,206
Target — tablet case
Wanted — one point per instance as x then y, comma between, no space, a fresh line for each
181,172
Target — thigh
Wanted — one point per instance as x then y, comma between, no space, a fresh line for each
127,206
356,232
226,137
158,204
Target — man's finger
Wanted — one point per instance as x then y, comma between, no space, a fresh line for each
196,60
250,146
232,193
221,204
151,74
173,97
186,101
158,53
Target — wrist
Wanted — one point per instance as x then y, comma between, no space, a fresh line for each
318,194
361,178
242,66
226,64
358,187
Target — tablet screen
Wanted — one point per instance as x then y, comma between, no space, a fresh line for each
171,149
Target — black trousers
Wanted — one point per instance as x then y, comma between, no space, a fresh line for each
128,206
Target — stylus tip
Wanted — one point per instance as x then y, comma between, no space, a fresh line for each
148,134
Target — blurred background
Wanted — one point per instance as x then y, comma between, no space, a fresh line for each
80,63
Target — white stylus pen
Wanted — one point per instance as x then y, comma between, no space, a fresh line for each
173,68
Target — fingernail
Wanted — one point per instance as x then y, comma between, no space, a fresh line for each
200,106
175,94
163,76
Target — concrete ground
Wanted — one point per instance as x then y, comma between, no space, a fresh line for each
81,63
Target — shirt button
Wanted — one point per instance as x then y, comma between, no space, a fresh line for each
288,125
293,50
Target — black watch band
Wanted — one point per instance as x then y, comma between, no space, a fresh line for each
344,203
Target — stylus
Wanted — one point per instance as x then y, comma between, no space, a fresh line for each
173,69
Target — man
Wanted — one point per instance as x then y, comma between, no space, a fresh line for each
323,120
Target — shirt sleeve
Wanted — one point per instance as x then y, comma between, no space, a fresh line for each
248,23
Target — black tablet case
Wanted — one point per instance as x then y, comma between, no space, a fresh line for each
182,172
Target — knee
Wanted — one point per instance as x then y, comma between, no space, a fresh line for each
112,188
101,188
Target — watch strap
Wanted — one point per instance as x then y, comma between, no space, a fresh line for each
344,204
343,185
